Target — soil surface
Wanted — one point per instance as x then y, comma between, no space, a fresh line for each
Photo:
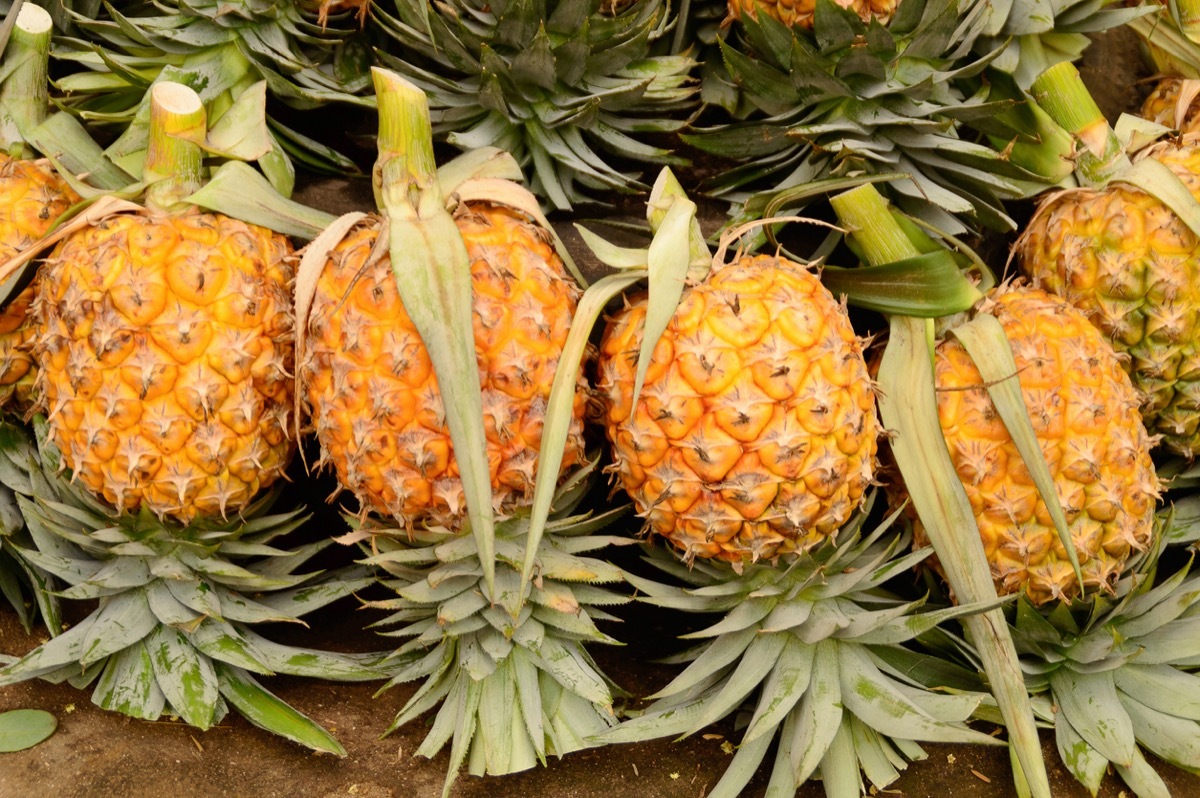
95,753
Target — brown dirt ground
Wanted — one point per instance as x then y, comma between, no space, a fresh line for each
96,753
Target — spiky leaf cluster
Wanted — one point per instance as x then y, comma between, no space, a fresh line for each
219,49
1037,34
810,649
1116,674
861,97
564,85
172,633
1121,671
29,589
510,672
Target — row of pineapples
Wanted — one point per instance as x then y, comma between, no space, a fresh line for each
168,348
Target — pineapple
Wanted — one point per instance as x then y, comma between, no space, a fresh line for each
32,194
442,366
374,396
1127,259
751,447
754,434
165,348
563,86
1086,418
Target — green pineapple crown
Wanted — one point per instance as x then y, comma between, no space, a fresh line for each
221,50
564,85
855,97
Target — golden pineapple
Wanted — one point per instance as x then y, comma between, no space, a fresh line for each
799,13
32,195
371,388
1128,262
1085,415
755,431
165,347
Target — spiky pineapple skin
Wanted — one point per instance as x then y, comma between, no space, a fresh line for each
800,13
32,197
1160,106
1085,414
755,432
165,348
371,389
1130,264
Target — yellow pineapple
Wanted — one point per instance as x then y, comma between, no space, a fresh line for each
799,13
755,431
1085,415
1124,258
165,351
370,384
32,195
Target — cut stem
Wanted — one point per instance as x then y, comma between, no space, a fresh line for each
1061,93
174,159
405,174
24,98
864,212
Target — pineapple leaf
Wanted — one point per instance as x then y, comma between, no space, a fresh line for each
128,685
819,715
750,754
1091,703
121,621
433,276
783,688
1143,778
868,693
267,711
1162,688
187,680
715,658
1174,739
908,406
558,416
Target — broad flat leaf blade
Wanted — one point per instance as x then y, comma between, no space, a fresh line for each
186,678
1084,762
123,620
558,416
1091,703
989,348
267,711
128,685
433,276
667,266
908,407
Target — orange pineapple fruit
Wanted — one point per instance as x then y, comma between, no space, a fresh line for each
165,347
1085,414
372,392
32,197
755,432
